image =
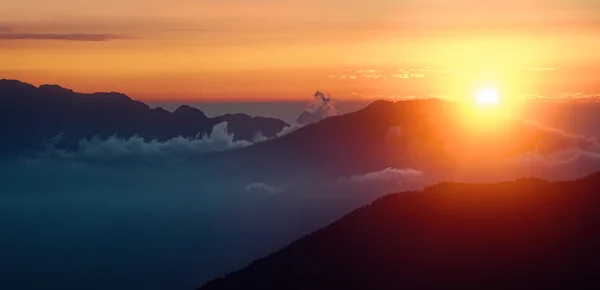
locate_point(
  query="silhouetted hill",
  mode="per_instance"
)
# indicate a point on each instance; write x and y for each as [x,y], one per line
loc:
[528,234]
[358,142]
[31,116]
[431,135]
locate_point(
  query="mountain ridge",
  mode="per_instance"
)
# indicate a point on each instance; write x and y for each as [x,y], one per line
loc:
[525,234]
[33,115]
[428,135]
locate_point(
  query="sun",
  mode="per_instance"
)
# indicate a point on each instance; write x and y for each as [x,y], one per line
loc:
[487,97]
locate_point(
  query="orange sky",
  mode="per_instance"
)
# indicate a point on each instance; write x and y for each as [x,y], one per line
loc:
[279,49]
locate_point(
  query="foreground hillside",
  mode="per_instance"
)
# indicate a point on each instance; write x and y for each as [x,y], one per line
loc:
[528,234]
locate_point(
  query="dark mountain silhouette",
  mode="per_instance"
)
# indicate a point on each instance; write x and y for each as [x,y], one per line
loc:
[30,116]
[528,234]
[428,135]
[348,144]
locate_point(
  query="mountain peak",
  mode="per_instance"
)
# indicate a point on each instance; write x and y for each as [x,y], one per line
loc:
[185,110]
[114,96]
[10,83]
[380,103]
[54,89]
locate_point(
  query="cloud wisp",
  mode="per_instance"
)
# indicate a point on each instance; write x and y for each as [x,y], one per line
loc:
[386,175]
[321,107]
[262,187]
[554,154]
[60,36]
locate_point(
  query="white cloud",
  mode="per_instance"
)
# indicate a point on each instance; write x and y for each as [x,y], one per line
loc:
[262,187]
[386,175]
[116,150]
[322,107]
[289,129]
[395,131]
[259,137]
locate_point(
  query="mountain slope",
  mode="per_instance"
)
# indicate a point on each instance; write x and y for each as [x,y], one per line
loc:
[30,116]
[344,145]
[528,234]
[432,136]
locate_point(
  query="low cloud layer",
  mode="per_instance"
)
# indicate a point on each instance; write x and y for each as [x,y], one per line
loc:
[59,36]
[561,165]
[395,131]
[262,187]
[559,148]
[560,140]
[554,154]
[386,175]
[321,107]
[118,150]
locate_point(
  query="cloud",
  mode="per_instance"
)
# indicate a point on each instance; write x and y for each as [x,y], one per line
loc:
[386,175]
[540,69]
[554,154]
[118,150]
[563,155]
[563,165]
[525,137]
[394,132]
[259,137]
[60,36]
[553,140]
[562,158]
[289,129]
[342,77]
[574,97]
[322,107]
[262,187]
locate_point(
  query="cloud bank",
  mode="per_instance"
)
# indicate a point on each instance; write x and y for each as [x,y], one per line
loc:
[119,150]
[386,175]
[262,187]
[552,154]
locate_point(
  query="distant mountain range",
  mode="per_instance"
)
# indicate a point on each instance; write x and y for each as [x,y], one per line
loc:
[428,135]
[528,234]
[33,115]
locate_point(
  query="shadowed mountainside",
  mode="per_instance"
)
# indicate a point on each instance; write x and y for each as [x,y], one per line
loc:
[32,115]
[427,135]
[354,143]
[528,234]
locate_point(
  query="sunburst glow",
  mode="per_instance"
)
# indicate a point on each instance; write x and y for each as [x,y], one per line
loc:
[487,97]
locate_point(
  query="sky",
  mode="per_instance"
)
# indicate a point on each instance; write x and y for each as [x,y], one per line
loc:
[282,50]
